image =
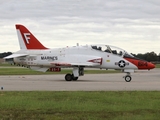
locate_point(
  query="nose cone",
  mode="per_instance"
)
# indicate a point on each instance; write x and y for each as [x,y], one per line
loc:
[141,64]
[150,65]
[145,65]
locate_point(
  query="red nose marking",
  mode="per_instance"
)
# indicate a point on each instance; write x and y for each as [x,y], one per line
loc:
[150,65]
[141,64]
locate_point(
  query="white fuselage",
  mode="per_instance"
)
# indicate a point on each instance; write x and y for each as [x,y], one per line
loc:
[72,55]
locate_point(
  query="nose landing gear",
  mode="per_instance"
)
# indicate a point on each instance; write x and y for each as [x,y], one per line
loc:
[128,77]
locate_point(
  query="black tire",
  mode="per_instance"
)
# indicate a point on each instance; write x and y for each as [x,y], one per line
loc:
[128,78]
[75,78]
[68,77]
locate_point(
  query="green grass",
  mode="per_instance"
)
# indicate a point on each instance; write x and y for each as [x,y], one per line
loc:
[157,65]
[80,105]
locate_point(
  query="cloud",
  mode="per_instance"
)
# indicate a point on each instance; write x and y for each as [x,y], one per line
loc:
[131,25]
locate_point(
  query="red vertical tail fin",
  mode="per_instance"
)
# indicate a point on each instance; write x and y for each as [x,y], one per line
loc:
[26,39]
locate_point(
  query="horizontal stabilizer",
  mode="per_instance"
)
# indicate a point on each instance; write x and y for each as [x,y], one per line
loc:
[15,55]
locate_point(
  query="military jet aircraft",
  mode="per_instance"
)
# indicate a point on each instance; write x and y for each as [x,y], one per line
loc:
[40,58]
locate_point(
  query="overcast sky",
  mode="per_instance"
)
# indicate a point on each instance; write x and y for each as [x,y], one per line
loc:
[131,25]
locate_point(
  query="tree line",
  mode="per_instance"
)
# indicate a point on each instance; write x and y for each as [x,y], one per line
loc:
[2,55]
[149,56]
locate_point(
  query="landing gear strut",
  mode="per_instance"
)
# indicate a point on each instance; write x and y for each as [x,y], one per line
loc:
[128,77]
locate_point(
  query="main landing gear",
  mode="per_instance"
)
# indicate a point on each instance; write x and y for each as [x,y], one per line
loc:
[77,71]
[128,77]
[70,77]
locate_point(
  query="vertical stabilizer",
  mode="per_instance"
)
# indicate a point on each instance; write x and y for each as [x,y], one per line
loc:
[26,39]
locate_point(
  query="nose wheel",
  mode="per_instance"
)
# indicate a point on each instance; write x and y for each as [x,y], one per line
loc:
[128,77]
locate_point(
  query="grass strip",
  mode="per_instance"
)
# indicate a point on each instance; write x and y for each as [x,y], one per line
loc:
[80,105]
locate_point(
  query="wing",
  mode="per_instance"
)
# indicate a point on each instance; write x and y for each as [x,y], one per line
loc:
[89,63]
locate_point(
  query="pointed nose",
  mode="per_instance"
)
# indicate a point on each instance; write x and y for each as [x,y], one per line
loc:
[150,65]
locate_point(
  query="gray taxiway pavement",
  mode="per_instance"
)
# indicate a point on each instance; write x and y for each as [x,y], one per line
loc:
[141,80]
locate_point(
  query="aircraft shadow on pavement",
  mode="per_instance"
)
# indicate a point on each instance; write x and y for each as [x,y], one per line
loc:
[88,81]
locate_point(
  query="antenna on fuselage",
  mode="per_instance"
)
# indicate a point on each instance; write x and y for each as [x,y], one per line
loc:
[77,44]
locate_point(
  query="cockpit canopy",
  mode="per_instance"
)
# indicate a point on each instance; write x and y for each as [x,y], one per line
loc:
[112,50]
